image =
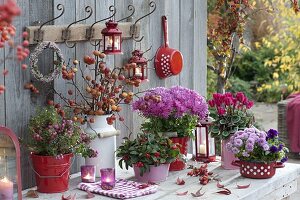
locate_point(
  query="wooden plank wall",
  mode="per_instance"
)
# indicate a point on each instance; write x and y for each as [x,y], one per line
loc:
[187,32]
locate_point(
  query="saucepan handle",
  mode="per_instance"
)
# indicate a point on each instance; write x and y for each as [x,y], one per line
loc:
[165,30]
[279,165]
[236,163]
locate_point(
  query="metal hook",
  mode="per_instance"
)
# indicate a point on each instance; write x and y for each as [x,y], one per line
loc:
[130,8]
[66,33]
[90,31]
[133,28]
[38,34]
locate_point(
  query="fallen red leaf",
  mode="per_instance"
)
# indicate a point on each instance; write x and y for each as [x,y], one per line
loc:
[242,186]
[225,191]
[219,185]
[182,193]
[198,193]
[32,194]
[142,186]
[70,197]
[89,195]
[180,181]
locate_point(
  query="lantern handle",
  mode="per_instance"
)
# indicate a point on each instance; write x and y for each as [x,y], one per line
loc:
[90,30]
[66,33]
[147,50]
[130,8]
[38,35]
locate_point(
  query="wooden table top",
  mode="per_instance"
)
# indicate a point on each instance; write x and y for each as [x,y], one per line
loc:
[279,186]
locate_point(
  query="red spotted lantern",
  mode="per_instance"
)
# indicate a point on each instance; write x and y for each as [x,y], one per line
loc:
[141,70]
[112,38]
[205,149]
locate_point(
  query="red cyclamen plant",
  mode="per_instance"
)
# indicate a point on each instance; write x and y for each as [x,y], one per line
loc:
[231,113]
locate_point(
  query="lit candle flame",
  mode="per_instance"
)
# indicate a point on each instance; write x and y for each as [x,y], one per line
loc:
[88,176]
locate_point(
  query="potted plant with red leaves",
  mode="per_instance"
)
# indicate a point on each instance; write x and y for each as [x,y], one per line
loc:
[231,113]
[53,141]
[174,112]
[98,102]
[150,156]
[259,153]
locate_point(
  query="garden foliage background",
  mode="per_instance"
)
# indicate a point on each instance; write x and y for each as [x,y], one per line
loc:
[268,63]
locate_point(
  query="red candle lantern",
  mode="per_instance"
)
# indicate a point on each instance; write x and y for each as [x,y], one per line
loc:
[205,149]
[112,38]
[141,70]
[10,165]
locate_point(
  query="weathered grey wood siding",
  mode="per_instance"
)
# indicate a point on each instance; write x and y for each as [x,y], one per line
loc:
[187,32]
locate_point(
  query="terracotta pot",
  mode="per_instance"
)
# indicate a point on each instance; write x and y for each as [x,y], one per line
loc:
[51,173]
[227,157]
[156,174]
[179,164]
[257,170]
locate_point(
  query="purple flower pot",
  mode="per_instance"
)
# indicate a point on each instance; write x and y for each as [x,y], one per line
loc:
[156,173]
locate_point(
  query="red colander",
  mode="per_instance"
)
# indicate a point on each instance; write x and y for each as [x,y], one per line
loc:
[168,61]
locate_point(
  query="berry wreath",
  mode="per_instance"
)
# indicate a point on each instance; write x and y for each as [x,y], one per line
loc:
[34,60]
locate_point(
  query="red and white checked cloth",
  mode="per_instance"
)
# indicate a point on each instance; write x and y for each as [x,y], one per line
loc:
[123,189]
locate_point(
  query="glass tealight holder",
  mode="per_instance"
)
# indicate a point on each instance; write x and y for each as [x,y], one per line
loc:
[88,173]
[108,178]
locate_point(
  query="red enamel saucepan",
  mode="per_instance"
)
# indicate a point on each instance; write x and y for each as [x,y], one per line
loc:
[168,61]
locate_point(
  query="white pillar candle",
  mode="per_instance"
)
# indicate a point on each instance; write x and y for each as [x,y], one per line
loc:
[6,189]
[202,149]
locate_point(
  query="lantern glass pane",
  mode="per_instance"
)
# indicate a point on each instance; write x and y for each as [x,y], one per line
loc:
[117,42]
[138,72]
[8,179]
[201,140]
[212,150]
[108,42]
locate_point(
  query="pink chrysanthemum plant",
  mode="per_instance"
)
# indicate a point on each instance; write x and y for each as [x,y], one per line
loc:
[252,144]
[231,113]
[176,109]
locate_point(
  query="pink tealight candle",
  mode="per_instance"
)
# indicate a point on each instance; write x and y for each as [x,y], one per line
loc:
[6,189]
[108,179]
[88,173]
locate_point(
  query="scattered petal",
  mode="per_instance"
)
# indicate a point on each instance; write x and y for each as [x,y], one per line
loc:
[180,181]
[242,186]
[32,194]
[219,185]
[142,186]
[198,193]
[70,197]
[225,191]
[89,195]
[182,193]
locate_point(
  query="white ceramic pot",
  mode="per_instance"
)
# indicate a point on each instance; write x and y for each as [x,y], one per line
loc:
[105,145]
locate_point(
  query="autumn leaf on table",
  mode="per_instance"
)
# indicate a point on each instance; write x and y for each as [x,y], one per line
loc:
[224,191]
[180,181]
[198,193]
[182,193]
[70,197]
[219,185]
[32,194]
[242,186]
[89,195]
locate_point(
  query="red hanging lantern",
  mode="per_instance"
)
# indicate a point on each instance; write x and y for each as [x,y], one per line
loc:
[205,149]
[141,70]
[112,38]
[10,165]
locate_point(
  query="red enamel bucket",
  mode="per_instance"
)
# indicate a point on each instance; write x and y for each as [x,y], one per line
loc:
[168,61]
[257,170]
[51,173]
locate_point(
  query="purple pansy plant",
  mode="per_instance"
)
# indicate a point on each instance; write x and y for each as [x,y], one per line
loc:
[252,144]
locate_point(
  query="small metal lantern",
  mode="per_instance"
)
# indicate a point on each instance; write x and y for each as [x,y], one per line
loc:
[10,165]
[141,70]
[205,149]
[112,38]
